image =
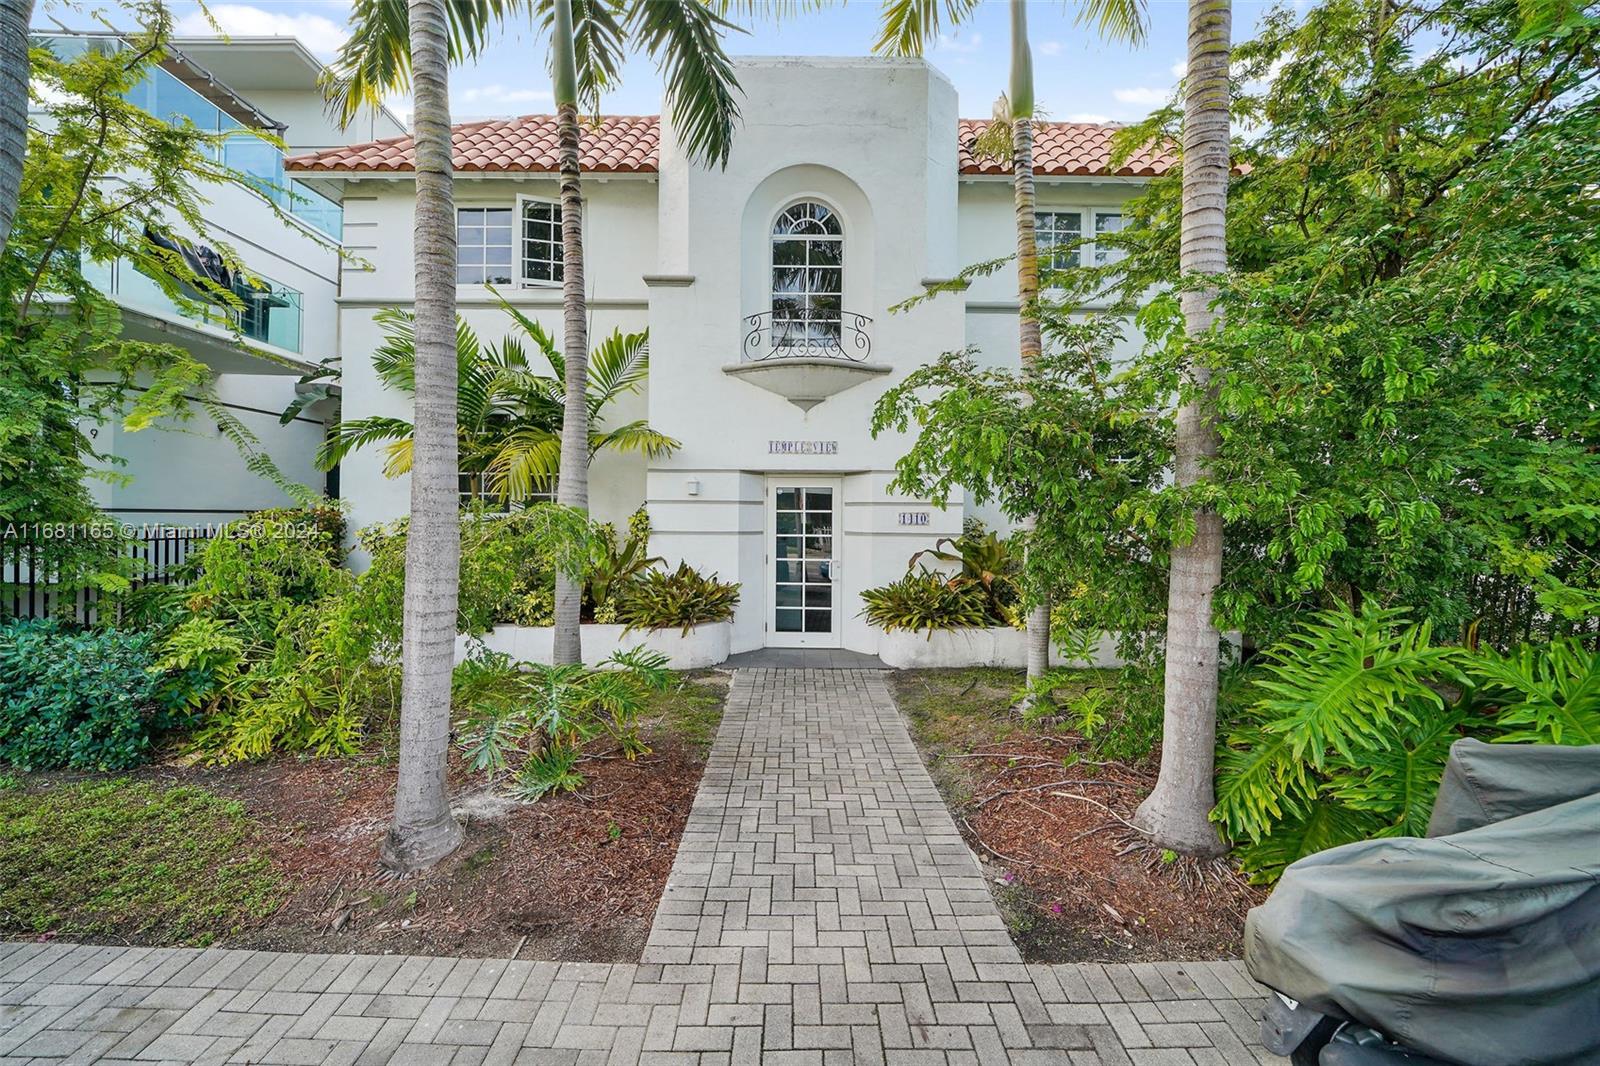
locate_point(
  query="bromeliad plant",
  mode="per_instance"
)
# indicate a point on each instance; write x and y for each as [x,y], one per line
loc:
[532,721]
[677,599]
[1353,719]
[987,561]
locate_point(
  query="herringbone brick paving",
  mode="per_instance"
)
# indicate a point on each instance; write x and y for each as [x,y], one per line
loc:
[823,909]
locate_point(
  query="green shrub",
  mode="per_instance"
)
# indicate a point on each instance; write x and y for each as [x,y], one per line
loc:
[924,600]
[615,568]
[86,700]
[1354,719]
[676,599]
[533,720]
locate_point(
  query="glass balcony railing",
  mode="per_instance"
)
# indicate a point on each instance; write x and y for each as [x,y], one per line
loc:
[161,94]
[315,209]
[268,313]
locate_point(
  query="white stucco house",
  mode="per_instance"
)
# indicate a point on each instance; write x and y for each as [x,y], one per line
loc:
[766,289]
[182,472]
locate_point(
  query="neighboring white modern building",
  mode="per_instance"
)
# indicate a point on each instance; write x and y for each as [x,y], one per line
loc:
[766,288]
[184,472]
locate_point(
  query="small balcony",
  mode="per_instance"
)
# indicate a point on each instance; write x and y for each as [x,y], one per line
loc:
[806,354]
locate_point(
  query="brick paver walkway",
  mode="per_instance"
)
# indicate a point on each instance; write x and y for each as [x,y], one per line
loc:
[823,908]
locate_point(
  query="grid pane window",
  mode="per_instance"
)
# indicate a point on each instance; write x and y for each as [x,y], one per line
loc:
[1107,222]
[807,276]
[483,246]
[803,597]
[474,489]
[1057,233]
[541,241]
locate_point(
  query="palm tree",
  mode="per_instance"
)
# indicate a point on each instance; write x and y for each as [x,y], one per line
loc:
[424,829]
[587,45]
[14,18]
[907,27]
[1176,814]
[509,417]
[388,50]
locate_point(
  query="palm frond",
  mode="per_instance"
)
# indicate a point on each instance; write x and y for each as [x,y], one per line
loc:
[634,437]
[684,37]
[1115,20]
[541,337]
[909,27]
[346,437]
[526,462]
[377,57]
[618,365]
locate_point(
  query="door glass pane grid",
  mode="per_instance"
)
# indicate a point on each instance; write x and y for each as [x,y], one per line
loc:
[804,589]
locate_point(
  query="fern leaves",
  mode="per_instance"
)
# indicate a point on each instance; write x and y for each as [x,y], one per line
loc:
[1358,712]
[1548,695]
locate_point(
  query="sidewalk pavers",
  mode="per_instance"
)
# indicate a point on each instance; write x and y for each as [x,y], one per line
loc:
[823,908]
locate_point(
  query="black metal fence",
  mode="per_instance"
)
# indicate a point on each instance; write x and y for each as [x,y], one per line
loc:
[37,574]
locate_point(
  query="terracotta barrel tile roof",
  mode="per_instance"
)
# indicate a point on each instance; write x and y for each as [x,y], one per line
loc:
[618,144]
[627,144]
[1065,149]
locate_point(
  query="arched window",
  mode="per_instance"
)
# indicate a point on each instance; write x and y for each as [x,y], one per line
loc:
[807,277]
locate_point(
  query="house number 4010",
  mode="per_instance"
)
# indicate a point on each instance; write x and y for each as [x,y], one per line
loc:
[914,518]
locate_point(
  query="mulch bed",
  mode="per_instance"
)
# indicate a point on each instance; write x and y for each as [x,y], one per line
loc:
[1076,882]
[573,876]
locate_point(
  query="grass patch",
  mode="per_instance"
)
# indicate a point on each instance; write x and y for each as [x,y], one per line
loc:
[692,708]
[118,858]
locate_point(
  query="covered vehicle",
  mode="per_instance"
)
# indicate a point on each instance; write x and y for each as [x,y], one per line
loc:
[1479,945]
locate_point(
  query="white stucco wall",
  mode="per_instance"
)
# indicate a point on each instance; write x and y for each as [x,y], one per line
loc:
[619,246]
[184,471]
[687,253]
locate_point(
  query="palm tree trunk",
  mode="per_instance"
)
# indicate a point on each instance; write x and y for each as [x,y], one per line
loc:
[1030,345]
[1177,812]
[14,18]
[573,488]
[424,830]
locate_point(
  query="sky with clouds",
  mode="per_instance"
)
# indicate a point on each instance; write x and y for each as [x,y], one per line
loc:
[1078,77]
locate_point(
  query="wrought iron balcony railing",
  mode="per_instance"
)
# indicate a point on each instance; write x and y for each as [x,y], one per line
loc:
[808,333]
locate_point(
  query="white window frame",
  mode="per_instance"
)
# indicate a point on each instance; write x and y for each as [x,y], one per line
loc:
[823,331]
[511,267]
[519,260]
[1089,251]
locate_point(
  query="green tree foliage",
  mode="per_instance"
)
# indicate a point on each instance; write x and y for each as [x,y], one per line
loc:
[69,368]
[1073,443]
[1411,350]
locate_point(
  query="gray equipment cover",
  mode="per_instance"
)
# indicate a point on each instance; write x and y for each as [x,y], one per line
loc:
[1482,947]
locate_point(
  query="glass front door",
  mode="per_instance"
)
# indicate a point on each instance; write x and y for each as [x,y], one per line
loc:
[803,557]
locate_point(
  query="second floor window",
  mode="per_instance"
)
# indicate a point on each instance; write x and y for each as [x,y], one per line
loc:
[807,276]
[1060,236]
[483,246]
[499,245]
[541,241]
[1057,233]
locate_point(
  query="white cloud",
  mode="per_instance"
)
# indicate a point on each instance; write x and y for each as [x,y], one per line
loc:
[1145,95]
[948,43]
[322,36]
[1089,116]
[499,99]
[1180,68]
[1050,48]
